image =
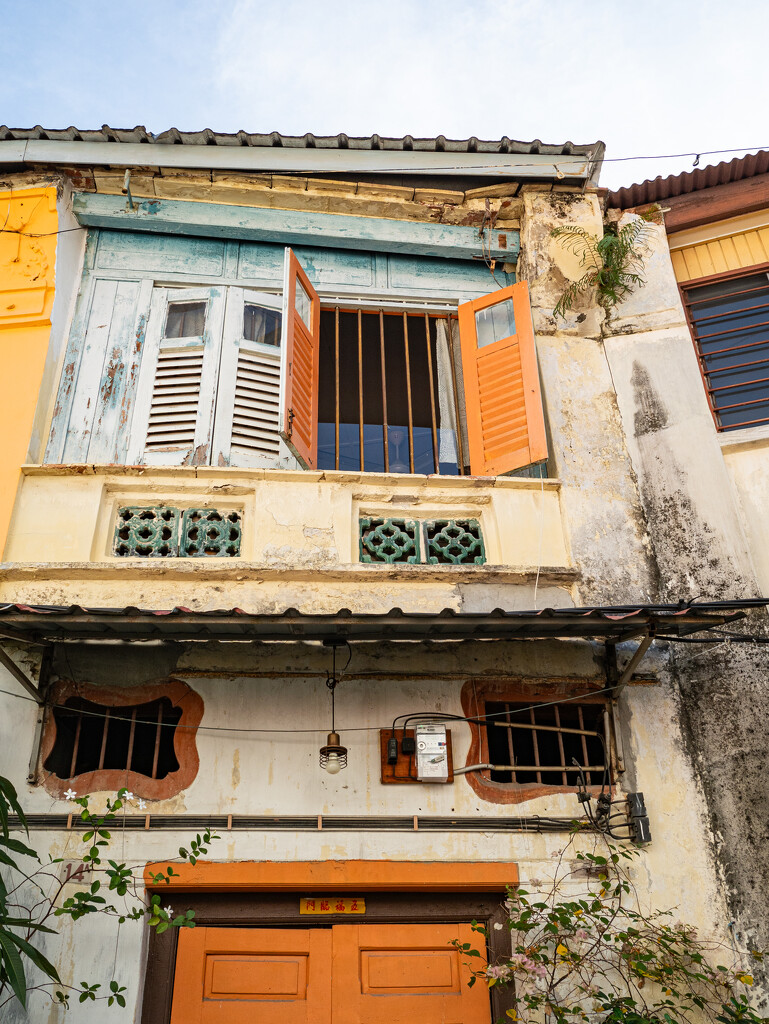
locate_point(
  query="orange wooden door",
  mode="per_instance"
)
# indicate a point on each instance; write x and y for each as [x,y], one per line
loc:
[348,974]
[254,975]
[404,973]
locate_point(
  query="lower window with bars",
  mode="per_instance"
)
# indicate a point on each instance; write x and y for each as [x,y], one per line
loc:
[148,746]
[547,743]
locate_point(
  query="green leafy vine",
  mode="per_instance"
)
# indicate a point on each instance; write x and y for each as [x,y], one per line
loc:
[30,901]
[613,264]
[588,952]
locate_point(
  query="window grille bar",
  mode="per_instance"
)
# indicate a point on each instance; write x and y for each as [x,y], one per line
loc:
[457,417]
[360,386]
[729,348]
[740,384]
[105,728]
[336,383]
[726,295]
[732,330]
[584,744]
[546,728]
[158,731]
[131,734]
[510,745]
[75,746]
[433,423]
[536,744]
[731,312]
[408,390]
[384,392]
[559,733]
[736,366]
[746,423]
[564,769]
[743,405]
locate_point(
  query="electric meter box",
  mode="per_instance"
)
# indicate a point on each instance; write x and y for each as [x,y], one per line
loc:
[432,753]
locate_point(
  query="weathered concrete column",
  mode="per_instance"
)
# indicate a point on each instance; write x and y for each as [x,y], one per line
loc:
[588,454]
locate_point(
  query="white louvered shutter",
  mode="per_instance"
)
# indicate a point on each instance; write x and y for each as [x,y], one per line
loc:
[176,393]
[246,431]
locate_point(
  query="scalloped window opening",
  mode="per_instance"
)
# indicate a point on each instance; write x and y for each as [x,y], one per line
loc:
[96,737]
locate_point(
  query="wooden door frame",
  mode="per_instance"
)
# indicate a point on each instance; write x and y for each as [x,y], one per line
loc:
[270,905]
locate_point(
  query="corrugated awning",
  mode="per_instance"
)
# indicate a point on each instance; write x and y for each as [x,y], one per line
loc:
[659,189]
[46,623]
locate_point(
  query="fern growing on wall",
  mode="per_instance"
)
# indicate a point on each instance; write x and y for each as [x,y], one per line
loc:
[613,264]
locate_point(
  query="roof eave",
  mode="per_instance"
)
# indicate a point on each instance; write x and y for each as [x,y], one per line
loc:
[566,163]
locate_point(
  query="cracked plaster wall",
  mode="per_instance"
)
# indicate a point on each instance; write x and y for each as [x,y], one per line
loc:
[700,550]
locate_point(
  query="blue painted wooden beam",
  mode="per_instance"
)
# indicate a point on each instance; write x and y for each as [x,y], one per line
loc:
[294,227]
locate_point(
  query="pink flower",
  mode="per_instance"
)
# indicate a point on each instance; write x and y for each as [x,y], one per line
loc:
[502,973]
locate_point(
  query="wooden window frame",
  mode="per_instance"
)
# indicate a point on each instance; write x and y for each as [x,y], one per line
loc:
[424,314]
[698,282]
[281,910]
[474,695]
[112,779]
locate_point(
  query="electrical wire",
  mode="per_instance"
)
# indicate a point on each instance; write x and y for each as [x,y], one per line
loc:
[433,715]
[441,715]
[40,234]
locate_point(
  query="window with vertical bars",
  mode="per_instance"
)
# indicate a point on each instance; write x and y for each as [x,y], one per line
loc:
[539,745]
[389,397]
[729,320]
[96,737]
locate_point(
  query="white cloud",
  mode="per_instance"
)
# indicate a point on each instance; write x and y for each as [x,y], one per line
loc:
[663,77]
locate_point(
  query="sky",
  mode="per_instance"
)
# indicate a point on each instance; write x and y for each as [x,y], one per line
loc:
[649,79]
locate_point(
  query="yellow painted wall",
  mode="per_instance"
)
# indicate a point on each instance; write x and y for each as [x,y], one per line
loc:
[28,224]
[736,243]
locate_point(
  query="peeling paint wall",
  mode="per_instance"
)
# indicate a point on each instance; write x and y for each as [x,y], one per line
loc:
[27,273]
[701,549]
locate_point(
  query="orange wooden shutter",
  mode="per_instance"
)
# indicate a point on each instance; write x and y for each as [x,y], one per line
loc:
[505,420]
[241,975]
[401,973]
[300,359]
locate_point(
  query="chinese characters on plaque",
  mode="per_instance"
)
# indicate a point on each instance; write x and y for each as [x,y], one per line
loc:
[332,905]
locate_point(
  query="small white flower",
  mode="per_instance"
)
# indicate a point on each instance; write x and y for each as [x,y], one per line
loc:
[498,926]
[169,910]
[70,794]
[141,804]
[128,796]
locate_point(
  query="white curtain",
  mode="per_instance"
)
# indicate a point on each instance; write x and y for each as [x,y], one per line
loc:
[447,417]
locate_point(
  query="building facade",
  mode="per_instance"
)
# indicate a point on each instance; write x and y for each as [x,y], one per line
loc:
[302,469]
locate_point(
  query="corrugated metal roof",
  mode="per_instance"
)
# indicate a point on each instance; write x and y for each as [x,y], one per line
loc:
[659,189]
[207,137]
[50,622]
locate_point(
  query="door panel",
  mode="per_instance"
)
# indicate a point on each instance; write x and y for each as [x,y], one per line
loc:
[254,975]
[394,974]
[347,974]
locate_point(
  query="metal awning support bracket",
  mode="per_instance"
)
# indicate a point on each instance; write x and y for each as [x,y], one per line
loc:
[617,682]
[7,662]
[631,666]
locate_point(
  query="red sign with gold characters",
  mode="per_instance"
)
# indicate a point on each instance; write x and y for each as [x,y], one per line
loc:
[332,905]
